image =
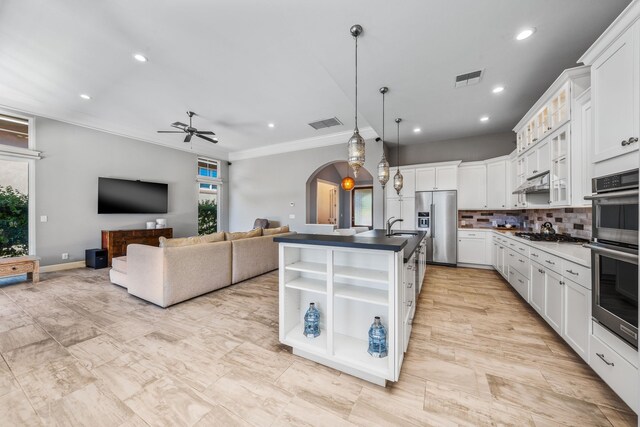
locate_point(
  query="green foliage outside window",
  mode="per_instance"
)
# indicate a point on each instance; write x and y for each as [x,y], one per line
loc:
[14,223]
[207,217]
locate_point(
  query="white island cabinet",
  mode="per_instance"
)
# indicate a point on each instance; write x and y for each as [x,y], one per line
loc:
[351,280]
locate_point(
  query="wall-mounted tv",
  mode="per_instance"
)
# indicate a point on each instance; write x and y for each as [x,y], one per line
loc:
[122,196]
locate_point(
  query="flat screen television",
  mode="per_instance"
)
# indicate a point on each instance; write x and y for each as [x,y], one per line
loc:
[122,196]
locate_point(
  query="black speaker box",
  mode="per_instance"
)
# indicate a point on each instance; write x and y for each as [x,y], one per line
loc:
[96,258]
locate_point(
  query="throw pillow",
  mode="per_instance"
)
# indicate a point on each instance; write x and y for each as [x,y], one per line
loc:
[272,231]
[257,232]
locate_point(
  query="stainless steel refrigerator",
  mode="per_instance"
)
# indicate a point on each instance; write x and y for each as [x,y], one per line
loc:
[437,214]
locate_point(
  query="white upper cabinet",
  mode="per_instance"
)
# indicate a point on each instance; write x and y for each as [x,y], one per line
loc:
[559,179]
[497,185]
[537,160]
[426,179]
[437,178]
[408,184]
[472,186]
[616,97]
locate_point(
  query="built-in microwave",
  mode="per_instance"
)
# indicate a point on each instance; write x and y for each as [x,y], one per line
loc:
[614,254]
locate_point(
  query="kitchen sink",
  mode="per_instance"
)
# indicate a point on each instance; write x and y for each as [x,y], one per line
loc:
[402,233]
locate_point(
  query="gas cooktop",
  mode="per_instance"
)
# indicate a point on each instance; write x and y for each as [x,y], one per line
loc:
[560,238]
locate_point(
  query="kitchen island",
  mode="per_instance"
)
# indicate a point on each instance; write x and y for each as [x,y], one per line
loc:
[350,279]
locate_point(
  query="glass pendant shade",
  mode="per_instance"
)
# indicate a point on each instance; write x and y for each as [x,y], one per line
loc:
[397,181]
[383,171]
[356,152]
[347,183]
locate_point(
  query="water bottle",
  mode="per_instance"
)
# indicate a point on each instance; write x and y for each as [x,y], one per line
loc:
[377,339]
[312,322]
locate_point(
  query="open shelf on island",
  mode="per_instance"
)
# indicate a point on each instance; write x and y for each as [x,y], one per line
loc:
[307,267]
[353,352]
[359,293]
[347,272]
[296,338]
[308,284]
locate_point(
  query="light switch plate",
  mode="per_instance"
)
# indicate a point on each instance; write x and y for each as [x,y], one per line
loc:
[44,218]
[292,216]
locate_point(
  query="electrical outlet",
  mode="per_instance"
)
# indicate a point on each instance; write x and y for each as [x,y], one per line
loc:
[65,255]
[292,216]
[43,218]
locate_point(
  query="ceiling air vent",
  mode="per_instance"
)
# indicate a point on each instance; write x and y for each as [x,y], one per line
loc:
[468,79]
[327,123]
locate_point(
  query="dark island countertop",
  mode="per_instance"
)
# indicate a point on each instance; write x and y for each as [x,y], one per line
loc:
[374,239]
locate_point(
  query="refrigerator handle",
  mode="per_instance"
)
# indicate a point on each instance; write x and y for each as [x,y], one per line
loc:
[433,222]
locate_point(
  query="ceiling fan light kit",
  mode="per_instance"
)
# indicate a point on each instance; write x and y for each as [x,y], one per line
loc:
[190,130]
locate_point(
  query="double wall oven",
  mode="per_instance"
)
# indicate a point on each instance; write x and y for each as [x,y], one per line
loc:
[614,254]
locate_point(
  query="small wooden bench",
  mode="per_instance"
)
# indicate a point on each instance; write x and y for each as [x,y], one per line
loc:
[21,265]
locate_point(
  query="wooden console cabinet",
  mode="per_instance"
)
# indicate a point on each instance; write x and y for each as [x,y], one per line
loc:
[116,241]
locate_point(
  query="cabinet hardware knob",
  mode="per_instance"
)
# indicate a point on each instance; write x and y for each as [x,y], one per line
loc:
[601,356]
[572,272]
[521,261]
[519,280]
[630,141]
[534,255]
[410,285]
[549,262]
[410,303]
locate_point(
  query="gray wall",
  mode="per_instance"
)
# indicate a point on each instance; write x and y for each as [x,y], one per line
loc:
[67,186]
[466,149]
[263,187]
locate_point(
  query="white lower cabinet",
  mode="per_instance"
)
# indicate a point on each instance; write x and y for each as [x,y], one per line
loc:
[554,301]
[614,364]
[471,250]
[538,287]
[409,300]
[577,314]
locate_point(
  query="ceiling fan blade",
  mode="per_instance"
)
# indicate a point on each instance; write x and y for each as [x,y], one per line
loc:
[206,132]
[170,131]
[188,137]
[215,141]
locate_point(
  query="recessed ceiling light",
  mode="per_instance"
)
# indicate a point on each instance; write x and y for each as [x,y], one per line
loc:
[271,125]
[140,57]
[417,130]
[484,118]
[84,96]
[525,34]
[498,89]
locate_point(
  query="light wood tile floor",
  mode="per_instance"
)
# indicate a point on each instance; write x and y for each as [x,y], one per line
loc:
[77,350]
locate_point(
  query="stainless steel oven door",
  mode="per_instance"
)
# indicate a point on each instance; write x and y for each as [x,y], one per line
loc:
[615,216]
[615,289]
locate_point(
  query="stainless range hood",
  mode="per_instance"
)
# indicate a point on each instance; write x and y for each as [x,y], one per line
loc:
[536,184]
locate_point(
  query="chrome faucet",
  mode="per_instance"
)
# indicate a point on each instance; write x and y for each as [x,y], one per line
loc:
[390,224]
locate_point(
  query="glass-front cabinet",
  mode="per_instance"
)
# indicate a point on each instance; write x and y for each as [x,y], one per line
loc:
[559,180]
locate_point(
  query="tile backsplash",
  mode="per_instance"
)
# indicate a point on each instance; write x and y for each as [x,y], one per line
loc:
[573,221]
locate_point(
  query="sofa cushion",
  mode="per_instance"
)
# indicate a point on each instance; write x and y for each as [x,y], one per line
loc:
[257,232]
[194,240]
[119,264]
[272,231]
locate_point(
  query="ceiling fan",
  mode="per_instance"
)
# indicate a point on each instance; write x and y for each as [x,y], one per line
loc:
[190,130]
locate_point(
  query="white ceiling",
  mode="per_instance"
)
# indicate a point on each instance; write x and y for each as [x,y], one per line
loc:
[243,64]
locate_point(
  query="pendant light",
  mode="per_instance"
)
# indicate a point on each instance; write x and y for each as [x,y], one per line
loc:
[383,166]
[397,179]
[347,183]
[355,145]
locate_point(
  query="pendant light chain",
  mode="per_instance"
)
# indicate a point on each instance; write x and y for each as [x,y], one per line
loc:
[356,83]
[398,148]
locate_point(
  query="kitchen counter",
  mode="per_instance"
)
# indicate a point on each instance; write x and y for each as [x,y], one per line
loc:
[374,239]
[573,252]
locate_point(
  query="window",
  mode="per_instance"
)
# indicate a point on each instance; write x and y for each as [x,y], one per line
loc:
[14,131]
[362,207]
[209,185]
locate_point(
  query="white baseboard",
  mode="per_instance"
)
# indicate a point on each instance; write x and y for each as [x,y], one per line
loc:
[61,267]
[480,266]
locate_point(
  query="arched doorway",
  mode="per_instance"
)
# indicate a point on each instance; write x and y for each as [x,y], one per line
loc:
[328,203]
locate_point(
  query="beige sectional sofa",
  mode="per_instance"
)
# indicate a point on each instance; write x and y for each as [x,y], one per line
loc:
[168,275]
